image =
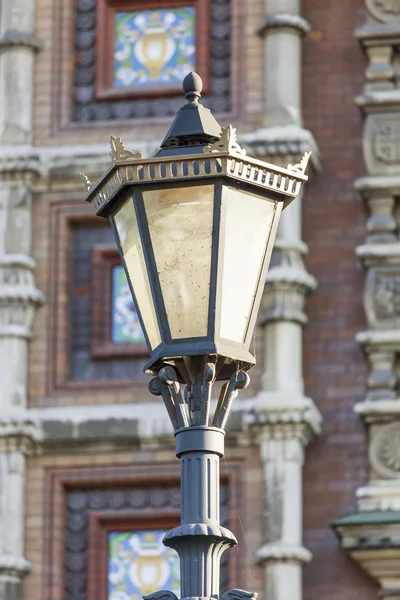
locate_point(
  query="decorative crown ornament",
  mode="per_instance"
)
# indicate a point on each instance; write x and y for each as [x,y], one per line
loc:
[119,152]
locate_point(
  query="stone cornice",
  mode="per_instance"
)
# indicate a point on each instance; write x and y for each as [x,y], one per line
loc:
[146,425]
[373,411]
[19,163]
[379,101]
[282,552]
[19,39]
[374,544]
[284,21]
[376,34]
[388,339]
[372,254]
[375,184]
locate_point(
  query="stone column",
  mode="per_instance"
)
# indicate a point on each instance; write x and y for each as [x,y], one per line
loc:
[285,419]
[19,297]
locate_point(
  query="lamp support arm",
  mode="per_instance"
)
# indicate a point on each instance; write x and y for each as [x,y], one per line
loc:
[199,540]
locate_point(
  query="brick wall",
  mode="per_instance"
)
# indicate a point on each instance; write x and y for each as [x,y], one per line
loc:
[49,477]
[334,224]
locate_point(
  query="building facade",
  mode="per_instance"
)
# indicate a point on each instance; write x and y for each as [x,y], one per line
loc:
[89,477]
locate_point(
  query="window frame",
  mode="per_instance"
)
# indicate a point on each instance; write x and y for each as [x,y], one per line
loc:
[106,10]
[100,525]
[104,258]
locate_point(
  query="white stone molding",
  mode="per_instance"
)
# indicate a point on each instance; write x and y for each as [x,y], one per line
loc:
[283,552]
[379,495]
[284,21]
[19,39]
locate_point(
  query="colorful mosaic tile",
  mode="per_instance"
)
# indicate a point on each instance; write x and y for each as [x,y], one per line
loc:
[154,46]
[139,564]
[125,325]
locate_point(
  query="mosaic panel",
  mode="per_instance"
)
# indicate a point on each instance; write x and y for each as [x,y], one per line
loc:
[125,325]
[139,563]
[87,109]
[154,47]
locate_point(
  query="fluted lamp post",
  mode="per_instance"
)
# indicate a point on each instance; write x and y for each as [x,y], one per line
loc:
[195,227]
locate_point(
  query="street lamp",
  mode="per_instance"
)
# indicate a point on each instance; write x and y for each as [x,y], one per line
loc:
[195,228]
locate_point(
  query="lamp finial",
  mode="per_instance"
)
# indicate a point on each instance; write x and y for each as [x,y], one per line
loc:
[192,86]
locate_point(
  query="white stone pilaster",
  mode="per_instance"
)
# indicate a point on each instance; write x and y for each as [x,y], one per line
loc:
[19,297]
[284,424]
[285,420]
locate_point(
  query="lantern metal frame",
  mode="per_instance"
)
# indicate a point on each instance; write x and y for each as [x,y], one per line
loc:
[222,163]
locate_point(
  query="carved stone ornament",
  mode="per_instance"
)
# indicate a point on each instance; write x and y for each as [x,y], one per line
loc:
[387,11]
[382,144]
[382,297]
[227,143]
[119,152]
[385,451]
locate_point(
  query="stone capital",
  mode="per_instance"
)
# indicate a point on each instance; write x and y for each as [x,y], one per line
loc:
[279,418]
[283,552]
[19,433]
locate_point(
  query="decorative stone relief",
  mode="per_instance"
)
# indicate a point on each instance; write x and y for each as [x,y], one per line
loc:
[382,143]
[386,11]
[382,296]
[385,451]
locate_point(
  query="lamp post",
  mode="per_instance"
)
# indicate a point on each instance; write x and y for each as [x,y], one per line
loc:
[195,228]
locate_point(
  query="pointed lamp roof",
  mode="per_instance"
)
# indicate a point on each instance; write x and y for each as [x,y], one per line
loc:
[194,125]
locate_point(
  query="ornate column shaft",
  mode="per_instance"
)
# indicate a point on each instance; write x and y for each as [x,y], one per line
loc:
[19,297]
[371,535]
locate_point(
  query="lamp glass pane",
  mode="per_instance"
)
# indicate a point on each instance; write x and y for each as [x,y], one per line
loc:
[132,250]
[180,222]
[248,221]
